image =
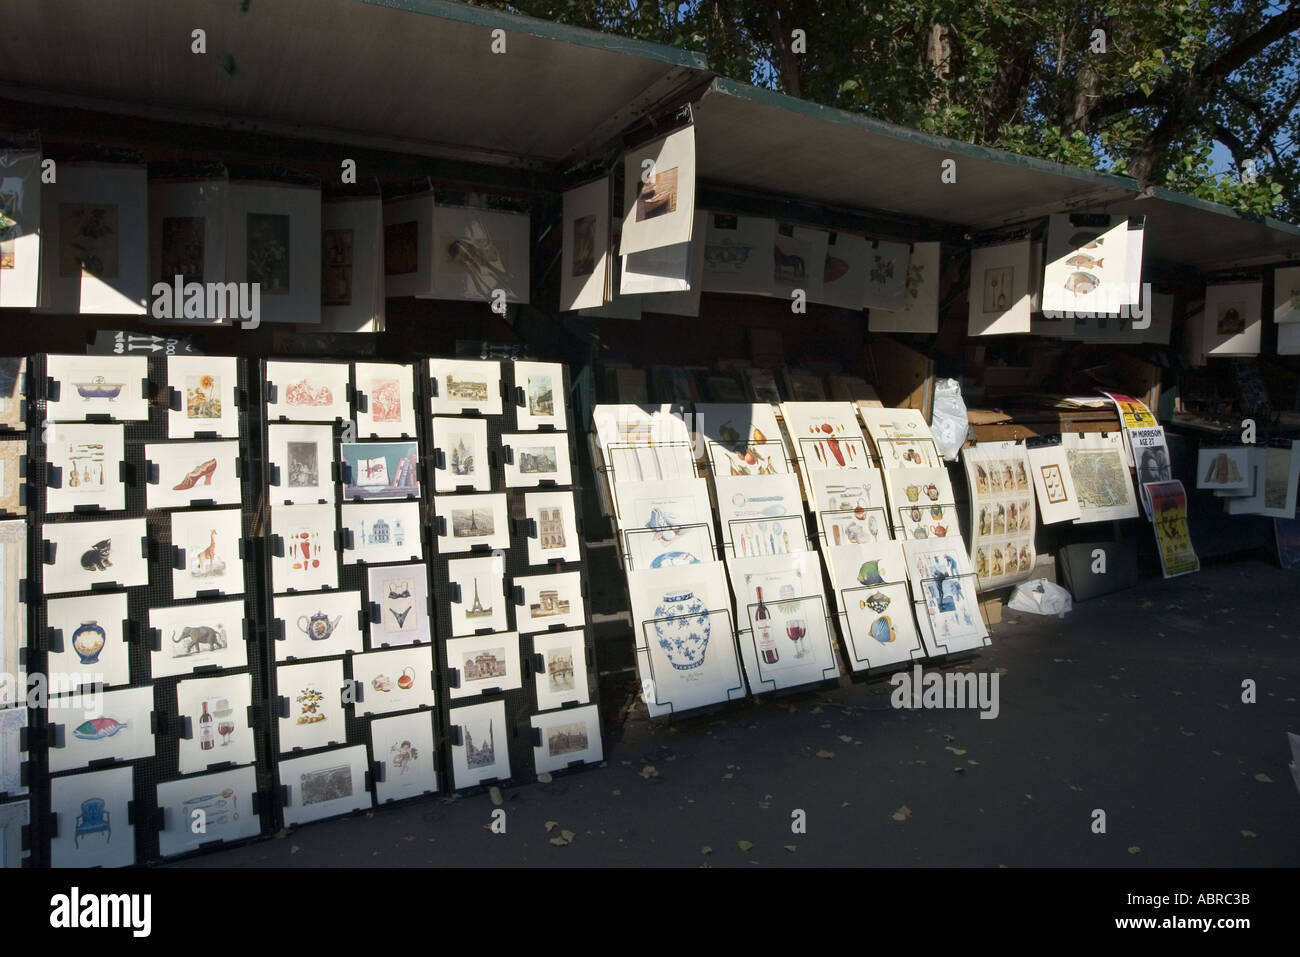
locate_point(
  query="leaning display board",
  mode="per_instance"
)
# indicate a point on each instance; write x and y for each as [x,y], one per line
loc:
[1002,512]
[16,770]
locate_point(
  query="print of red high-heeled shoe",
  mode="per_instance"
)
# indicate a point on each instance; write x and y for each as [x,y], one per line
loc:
[203,471]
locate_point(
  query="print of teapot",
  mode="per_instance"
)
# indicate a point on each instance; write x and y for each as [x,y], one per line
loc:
[318,627]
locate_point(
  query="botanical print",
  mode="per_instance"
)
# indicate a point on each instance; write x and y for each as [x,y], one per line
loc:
[205,386]
[304,557]
[336,267]
[396,680]
[477,757]
[549,600]
[380,470]
[384,407]
[887,275]
[114,724]
[556,531]
[93,819]
[382,532]
[203,397]
[1169,522]
[211,545]
[91,553]
[406,747]
[568,737]
[268,252]
[226,800]
[871,591]
[943,581]
[400,595]
[88,240]
[216,711]
[187,638]
[657,196]
[91,633]
[182,249]
[89,462]
[97,385]
[326,784]
[307,391]
[484,664]
[563,678]
[1100,476]
[480,604]
[742,439]
[463,459]
[315,713]
[317,625]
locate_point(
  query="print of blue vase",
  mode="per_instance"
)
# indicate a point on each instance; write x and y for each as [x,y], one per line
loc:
[88,641]
[682,626]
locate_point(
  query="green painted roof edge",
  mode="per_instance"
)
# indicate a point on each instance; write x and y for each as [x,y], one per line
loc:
[547,30]
[1205,205]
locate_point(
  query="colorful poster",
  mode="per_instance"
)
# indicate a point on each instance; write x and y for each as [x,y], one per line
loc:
[1169,509]
[1002,507]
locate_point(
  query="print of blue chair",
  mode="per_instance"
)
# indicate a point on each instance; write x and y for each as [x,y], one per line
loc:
[92,819]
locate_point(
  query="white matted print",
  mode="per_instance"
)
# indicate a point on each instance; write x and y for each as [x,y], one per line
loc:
[324,785]
[1002,507]
[943,589]
[999,289]
[214,713]
[301,459]
[536,457]
[851,505]
[666,523]
[114,724]
[825,435]
[92,630]
[226,800]
[305,558]
[1101,477]
[684,637]
[396,680]
[549,600]
[211,543]
[922,504]
[483,664]
[761,515]
[556,538]
[14,817]
[13,481]
[405,748]
[1286,295]
[13,752]
[562,677]
[465,521]
[307,391]
[317,625]
[735,254]
[478,253]
[98,385]
[93,819]
[543,385]
[374,471]
[461,385]
[400,594]
[659,198]
[189,637]
[462,462]
[920,311]
[478,757]
[95,553]
[274,240]
[206,387]
[785,637]
[13,610]
[382,532]
[482,601]
[193,472]
[1223,469]
[1086,267]
[1057,499]
[315,705]
[89,460]
[886,279]
[568,737]
[585,260]
[870,582]
[1232,321]
[742,439]
[385,400]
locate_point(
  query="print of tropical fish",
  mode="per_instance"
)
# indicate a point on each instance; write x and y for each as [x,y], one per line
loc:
[1086,241]
[98,728]
[1082,283]
[1084,262]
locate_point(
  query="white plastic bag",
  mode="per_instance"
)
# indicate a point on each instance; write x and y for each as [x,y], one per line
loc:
[1041,597]
[948,418]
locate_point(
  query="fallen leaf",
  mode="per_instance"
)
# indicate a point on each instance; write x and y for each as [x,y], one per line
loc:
[706,849]
[902,814]
[294,849]
[972,761]
[494,793]
[567,835]
[846,738]
[791,848]
[544,777]
[960,770]
[1134,849]
[728,776]
[1245,833]
[552,825]
[559,841]
[649,771]
[616,792]
[744,845]
[823,753]
[1263,779]
[957,751]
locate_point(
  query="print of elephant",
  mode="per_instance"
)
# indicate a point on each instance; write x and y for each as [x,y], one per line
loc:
[195,637]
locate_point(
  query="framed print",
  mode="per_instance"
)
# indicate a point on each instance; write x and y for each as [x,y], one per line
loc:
[88,460]
[585,259]
[1002,507]
[666,523]
[920,309]
[112,386]
[477,252]
[735,254]
[762,387]
[301,460]
[274,240]
[405,749]
[543,385]
[308,391]
[1100,475]
[567,738]
[536,457]
[90,634]
[380,470]
[192,473]
[1057,499]
[317,625]
[211,544]
[206,388]
[466,521]
[659,200]
[479,584]
[548,601]
[1223,469]
[826,435]
[408,245]
[999,289]
[13,610]
[87,554]
[871,590]
[399,595]
[303,553]
[324,785]
[187,227]
[352,264]
[851,506]
[1169,522]
[385,396]
[93,819]
[761,514]
[214,722]
[13,391]
[785,630]
[1086,267]
[13,754]
[943,590]
[483,664]
[21,228]
[315,705]
[465,385]
[1286,295]
[396,680]
[553,516]
[922,503]
[1232,323]
[186,638]
[13,818]
[112,725]
[1281,478]
[476,758]
[461,459]
[742,439]
[562,677]
[226,802]
[381,532]
[685,638]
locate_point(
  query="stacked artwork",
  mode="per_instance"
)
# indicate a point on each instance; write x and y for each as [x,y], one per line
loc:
[1002,513]
[15,807]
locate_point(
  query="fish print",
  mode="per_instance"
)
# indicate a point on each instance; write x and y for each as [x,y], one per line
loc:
[1081,283]
[1086,241]
[1083,261]
[97,729]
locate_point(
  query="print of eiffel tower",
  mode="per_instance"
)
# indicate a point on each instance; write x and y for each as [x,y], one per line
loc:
[477,610]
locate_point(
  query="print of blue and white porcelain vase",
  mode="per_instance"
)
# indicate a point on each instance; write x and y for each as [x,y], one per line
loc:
[682,627]
[88,641]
